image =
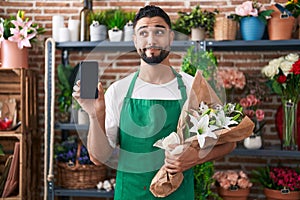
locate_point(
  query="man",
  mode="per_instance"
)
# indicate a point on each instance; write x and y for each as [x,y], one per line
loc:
[141,109]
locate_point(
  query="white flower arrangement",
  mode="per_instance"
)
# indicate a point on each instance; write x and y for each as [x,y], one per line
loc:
[204,123]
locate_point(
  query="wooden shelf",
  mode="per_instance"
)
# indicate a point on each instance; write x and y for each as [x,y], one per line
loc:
[21,85]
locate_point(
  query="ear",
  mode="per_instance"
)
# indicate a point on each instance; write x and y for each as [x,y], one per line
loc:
[172,35]
[134,40]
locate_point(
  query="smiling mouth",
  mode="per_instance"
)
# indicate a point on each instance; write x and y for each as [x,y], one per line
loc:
[153,48]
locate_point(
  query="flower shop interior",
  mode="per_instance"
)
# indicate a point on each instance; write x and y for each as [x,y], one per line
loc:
[38,115]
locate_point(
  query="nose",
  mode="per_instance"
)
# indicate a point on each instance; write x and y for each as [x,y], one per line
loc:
[151,39]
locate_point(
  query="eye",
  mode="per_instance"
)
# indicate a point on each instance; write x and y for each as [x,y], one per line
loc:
[143,33]
[160,32]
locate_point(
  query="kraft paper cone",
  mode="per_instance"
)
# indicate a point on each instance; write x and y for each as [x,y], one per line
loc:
[164,183]
[161,185]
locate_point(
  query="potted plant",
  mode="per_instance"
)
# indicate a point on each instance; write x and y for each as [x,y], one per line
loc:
[279,182]
[16,35]
[205,61]
[181,31]
[128,28]
[251,107]
[98,27]
[252,16]
[198,22]
[232,184]
[116,21]
[282,22]
[66,78]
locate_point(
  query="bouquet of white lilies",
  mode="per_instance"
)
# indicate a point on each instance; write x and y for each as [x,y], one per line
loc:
[204,123]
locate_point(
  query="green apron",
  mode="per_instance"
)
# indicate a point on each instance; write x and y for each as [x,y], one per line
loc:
[142,123]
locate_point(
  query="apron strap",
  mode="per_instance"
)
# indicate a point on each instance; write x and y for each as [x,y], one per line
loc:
[131,86]
[181,86]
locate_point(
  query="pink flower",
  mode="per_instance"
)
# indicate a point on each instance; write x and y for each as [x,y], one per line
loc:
[230,179]
[231,78]
[246,9]
[20,32]
[260,114]
[245,103]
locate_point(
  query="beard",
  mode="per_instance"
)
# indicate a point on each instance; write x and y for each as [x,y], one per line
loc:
[154,60]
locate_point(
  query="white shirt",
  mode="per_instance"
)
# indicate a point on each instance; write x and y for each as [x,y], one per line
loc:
[116,93]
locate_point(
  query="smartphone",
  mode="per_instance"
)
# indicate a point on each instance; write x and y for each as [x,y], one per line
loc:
[88,79]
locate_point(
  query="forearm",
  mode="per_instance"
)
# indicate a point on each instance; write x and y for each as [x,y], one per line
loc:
[97,142]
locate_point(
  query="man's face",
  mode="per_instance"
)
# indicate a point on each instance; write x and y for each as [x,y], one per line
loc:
[152,39]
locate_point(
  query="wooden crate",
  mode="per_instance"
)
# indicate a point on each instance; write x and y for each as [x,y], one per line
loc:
[21,84]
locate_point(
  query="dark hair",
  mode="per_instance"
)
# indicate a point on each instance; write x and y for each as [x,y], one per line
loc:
[151,11]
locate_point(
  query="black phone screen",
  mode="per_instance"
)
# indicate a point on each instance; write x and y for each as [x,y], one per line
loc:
[88,79]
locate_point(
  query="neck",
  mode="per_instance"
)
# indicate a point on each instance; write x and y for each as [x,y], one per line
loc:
[156,74]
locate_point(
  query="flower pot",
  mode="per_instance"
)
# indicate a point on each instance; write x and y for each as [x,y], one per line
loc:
[238,194]
[128,31]
[12,56]
[197,34]
[115,35]
[98,32]
[252,28]
[253,142]
[280,26]
[279,195]
[225,28]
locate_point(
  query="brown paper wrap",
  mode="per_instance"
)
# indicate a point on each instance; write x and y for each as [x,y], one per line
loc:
[163,184]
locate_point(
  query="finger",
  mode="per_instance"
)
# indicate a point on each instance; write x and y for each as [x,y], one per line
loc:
[78,83]
[100,92]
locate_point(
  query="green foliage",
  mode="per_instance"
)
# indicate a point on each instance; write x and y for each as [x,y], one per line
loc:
[262,175]
[294,7]
[66,78]
[129,16]
[116,19]
[199,60]
[197,18]
[99,16]
[203,180]
[179,26]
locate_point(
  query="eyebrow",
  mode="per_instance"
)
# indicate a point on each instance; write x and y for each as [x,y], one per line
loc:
[160,26]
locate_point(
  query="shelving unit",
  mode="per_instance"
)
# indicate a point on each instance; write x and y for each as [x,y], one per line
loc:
[236,45]
[21,85]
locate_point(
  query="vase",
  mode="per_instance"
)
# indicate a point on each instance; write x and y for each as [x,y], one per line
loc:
[280,195]
[289,135]
[12,56]
[98,32]
[238,194]
[281,25]
[115,35]
[252,28]
[197,34]
[253,142]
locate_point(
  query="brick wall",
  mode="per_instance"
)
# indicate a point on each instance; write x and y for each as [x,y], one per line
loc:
[121,64]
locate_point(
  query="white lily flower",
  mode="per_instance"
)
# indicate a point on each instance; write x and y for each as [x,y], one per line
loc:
[200,125]
[201,138]
[224,122]
[202,129]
